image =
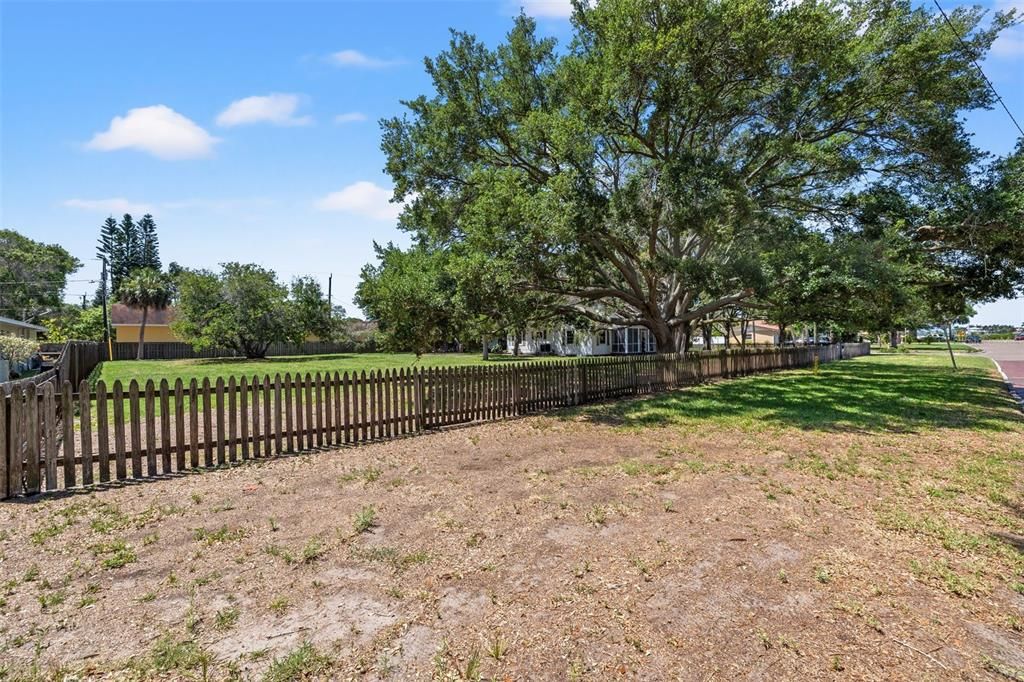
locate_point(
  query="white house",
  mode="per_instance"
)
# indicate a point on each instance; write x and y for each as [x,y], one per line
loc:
[620,340]
[569,341]
[22,330]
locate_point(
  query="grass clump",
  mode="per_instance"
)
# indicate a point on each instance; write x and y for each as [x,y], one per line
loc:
[366,475]
[598,515]
[364,520]
[305,663]
[225,619]
[279,605]
[51,600]
[942,574]
[633,467]
[398,561]
[280,552]
[313,550]
[171,655]
[117,554]
[221,535]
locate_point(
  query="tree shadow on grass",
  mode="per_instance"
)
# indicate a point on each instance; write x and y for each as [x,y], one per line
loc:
[343,357]
[891,396]
[274,359]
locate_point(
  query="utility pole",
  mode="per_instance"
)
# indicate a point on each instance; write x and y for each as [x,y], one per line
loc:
[83,301]
[330,277]
[106,325]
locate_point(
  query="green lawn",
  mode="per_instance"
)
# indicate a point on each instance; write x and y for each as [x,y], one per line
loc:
[896,392]
[143,370]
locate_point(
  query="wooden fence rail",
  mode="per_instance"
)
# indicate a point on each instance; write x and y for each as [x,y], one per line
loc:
[57,436]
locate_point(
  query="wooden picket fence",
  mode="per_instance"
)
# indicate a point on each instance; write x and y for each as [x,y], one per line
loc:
[61,436]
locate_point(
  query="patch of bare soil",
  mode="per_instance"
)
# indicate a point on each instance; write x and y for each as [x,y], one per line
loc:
[540,548]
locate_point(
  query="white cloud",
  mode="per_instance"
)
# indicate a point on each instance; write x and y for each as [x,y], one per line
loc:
[157,130]
[357,59]
[115,206]
[119,205]
[276,108]
[362,198]
[350,117]
[557,9]
[1010,43]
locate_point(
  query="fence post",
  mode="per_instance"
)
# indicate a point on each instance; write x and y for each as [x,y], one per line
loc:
[584,381]
[418,395]
[4,492]
[15,437]
[30,432]
[515,392]
[68,421]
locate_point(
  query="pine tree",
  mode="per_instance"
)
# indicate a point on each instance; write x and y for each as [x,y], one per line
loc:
[105,250]
[149,256]
[126,255]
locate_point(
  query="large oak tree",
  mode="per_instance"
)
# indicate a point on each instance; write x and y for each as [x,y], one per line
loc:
[637,173]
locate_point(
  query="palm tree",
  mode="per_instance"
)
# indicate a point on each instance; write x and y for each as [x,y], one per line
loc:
[145,288]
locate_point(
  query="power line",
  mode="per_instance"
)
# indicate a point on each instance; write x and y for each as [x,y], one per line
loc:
[46,281]
[978,66]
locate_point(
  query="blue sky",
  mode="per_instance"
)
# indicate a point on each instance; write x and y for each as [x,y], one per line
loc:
[249,129]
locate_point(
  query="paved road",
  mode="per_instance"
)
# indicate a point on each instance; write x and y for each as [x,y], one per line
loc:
[1010,357]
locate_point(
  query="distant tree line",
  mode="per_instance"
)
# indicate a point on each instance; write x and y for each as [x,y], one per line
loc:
[245,308]
[33,277]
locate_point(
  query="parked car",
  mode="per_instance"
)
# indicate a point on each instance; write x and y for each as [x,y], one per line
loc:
[1018,337]
[972,338]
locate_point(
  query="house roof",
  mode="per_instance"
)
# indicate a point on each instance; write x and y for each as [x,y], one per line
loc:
[23,325]
[120,314]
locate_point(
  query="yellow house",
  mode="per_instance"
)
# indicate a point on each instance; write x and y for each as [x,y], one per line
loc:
[126,322]
[23,330]
[760,332]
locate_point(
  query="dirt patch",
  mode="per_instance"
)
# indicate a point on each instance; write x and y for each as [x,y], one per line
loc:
[541,548]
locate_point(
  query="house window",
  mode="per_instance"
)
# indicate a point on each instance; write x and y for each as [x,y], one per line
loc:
[634,340]
[602,337]
[618,341]
[540,335]
[570,337]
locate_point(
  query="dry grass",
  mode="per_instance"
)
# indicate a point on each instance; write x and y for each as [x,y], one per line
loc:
[598,544]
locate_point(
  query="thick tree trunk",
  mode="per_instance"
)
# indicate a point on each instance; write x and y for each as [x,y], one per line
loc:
[670,341]
[728,330]
[515,344]
[894,338]
[685,338]
[142,334]
[487,350]
[782,335]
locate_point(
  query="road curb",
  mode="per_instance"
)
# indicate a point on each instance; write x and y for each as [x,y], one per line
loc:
[1017,395]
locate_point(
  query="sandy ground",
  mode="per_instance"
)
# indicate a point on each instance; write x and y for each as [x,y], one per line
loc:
[540,548]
